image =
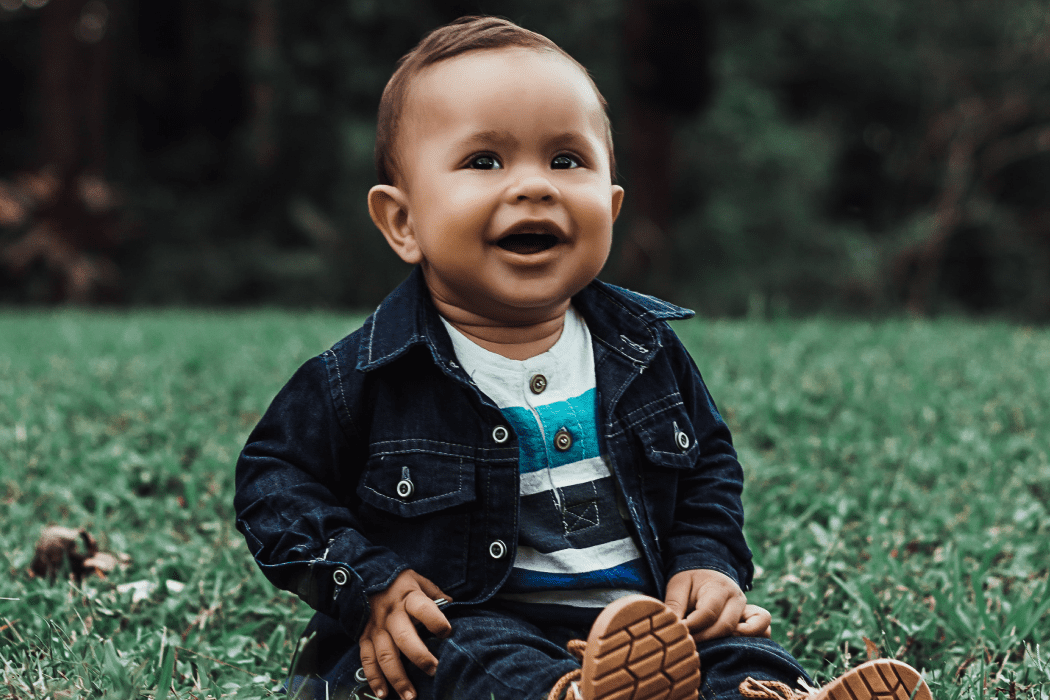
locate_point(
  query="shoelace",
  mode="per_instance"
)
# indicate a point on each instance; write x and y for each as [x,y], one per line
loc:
[775,690]
[576,647]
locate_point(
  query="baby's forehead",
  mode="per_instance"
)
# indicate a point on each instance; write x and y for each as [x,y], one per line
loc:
[489,90]
[480,74]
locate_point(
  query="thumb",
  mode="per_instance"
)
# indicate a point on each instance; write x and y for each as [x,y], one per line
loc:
[677,598]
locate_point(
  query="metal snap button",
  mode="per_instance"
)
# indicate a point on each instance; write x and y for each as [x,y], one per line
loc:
[405,488]
[497,550]
[340,576]
[500,434]
[537,384]
[562,440]
[359,676]
[681,438]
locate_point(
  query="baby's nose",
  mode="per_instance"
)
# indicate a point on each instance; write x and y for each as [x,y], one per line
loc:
[535,187]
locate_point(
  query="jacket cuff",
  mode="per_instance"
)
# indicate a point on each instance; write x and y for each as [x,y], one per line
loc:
[375,568]
[713,555]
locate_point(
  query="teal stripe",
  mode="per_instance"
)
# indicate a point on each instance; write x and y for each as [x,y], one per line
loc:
[531,453]
[578,415]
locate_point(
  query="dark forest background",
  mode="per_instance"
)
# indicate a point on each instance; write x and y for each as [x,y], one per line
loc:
[844,156]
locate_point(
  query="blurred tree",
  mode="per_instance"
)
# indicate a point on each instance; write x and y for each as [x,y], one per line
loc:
[67,202]
[668,46]
[851,155]
[854,158]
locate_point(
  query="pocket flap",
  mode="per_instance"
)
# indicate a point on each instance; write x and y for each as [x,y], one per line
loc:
[668,438]
[410,484]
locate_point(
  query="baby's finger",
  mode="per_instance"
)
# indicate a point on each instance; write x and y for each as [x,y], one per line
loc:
[724,625]
[426,611]
[677,598]
[389,657]
[406,637]
[756,622]
[374,676]
[706,614]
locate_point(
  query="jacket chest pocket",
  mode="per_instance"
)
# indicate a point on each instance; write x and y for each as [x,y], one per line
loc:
[419,505]
[663,441]
[664,436]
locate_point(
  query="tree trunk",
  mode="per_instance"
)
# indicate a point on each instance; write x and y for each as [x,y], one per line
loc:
[73,225]
[668,50]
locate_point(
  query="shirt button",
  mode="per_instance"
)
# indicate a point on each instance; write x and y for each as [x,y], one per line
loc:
[340,576]
[405,488]
[497,550]
[562,440]
[537,384]
[500,434]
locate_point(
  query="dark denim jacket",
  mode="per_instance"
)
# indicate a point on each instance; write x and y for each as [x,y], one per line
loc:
[317,483]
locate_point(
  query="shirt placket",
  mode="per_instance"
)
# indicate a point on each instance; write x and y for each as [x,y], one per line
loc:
[536,381]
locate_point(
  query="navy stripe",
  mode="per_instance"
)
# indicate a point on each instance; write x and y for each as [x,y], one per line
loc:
[628,575]
[547,529]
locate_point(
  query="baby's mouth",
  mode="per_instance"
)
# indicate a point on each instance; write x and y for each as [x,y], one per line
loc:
[528,243]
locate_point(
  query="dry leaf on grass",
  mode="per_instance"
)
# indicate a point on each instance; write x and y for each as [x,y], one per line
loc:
[140,590]
[58,545]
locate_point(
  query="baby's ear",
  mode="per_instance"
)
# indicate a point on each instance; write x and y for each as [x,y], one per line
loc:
[617,201]
[389,209]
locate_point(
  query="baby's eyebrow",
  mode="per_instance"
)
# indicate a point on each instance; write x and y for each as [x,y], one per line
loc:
[497,137]
[571,139]
[490,137]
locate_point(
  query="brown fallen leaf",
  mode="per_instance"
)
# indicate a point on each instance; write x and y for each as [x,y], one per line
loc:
[873,649]
[58,544]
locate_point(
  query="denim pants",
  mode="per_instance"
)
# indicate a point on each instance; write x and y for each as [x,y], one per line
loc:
[494,654]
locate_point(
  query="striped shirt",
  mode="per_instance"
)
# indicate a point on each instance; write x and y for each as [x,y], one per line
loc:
[575,553]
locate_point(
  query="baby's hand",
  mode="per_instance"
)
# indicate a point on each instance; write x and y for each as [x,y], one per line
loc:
[713,606]
[391,632]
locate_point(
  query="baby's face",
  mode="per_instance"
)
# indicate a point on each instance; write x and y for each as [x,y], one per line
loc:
[505,175]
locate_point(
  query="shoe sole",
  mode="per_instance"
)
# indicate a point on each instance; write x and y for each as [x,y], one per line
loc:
[881,679]
[639,650]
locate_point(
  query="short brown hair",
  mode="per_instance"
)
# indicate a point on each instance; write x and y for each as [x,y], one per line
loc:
[465,34]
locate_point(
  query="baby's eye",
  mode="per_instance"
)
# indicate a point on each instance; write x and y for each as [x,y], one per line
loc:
[484,163]
[564,162]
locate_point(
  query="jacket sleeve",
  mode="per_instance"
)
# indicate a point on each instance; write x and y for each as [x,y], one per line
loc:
[709,516]
[295,482]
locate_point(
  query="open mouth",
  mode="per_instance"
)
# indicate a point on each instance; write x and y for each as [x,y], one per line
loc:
[528,243]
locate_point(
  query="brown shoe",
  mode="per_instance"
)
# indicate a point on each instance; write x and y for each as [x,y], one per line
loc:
[637,650]
[881,679]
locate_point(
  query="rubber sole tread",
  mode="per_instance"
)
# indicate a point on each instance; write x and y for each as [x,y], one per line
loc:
[881,679]
[639,650]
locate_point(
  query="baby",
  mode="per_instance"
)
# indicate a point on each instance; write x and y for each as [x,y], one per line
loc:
[510,456]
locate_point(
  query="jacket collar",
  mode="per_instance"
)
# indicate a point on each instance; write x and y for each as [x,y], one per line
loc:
[626,322]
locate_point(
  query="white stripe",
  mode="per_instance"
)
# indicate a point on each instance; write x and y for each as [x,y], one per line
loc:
[564,476]
[575,561]
[587,598]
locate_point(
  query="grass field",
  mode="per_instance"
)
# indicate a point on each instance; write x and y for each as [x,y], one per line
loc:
[898,488]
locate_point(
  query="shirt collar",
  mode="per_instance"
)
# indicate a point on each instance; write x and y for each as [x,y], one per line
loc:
[626,322]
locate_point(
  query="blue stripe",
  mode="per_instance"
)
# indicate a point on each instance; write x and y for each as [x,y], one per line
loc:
[578,415]
[628,575]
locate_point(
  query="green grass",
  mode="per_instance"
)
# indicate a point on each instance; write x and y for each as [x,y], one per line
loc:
[898,481]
